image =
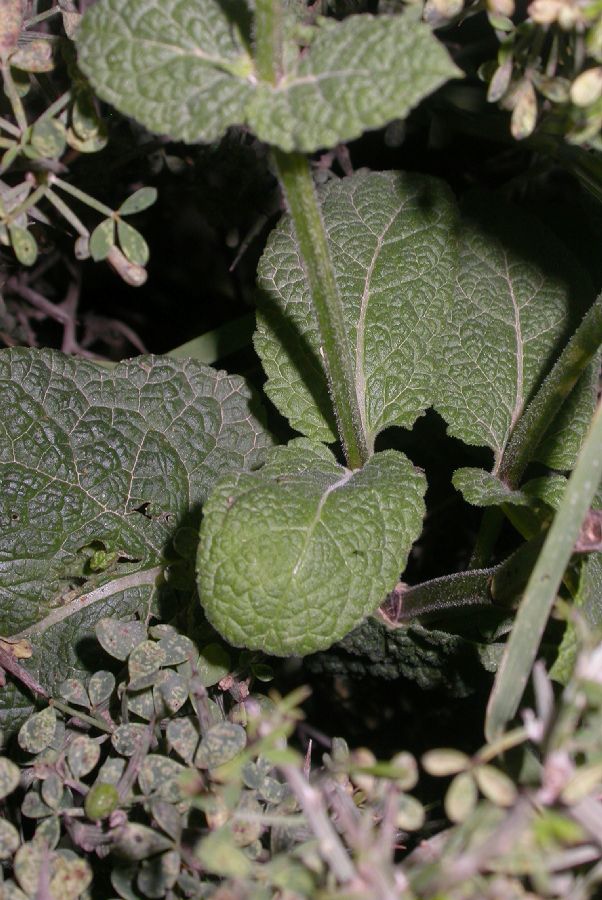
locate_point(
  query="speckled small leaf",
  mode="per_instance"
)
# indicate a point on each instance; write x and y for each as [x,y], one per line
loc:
[119,638]
[146,658]
[127,738]
[24,244]
[68,877]
[9,839]
[139,200]
[9,777]
[142,704]
[272,791]
[84,117]
[48,832]
[111,771]
[160,776]
[295,555]
[100,687]
[173,689]
[183,737]
[213,664]
[134,842]
[11,22]
[461,797]
[222,743]
[102,239]
[73,691]
[132,243]
[168,818]
[176,648]
[159,874]
[52,790]
[184,70]
[36,56]
[83,755]
[48,138]
[34,807]
[38,731]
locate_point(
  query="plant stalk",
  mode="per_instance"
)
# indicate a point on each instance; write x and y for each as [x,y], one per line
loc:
[295,177]
[268,39]
[540,412]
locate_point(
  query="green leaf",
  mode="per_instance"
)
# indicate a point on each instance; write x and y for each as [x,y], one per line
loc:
[37,733]
[184,70]
[518,295]
[9,777]
[102,239]
[392,248]
[24,244]
[119,457]
[132,243]
[139,200]
[482,488]
[295,555]
[48,138]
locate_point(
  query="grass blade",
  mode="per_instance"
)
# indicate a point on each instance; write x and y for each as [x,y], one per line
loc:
[523,644]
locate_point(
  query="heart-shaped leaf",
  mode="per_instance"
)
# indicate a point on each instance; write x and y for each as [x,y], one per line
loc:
[114,459]
[392,245]
[294,555]
[184,69]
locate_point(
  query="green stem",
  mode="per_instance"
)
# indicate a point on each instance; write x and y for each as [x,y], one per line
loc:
[33,198]
[521,649]
[537,418]
[295,177]
[9,127]
[55,108]
[79,714]
[498,586]
[540,413]
[268,39]
[15,101]
[67,213]
[81,195]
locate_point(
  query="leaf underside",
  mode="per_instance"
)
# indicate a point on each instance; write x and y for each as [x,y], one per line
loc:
[295,555]
[184,69]
[110,462]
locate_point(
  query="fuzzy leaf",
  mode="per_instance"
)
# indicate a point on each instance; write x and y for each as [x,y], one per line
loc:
[89,458]
[393,251]
[519,293]
[484,489]
[295,555]
[184,69]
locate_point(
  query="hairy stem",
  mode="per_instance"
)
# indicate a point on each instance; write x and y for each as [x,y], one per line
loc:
[498,586]
[540,412]
[268,39]
[295,177]
[81,195]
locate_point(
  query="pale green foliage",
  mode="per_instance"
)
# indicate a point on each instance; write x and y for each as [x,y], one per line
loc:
[391,240]
[293,556]
[99,469]
[185,69]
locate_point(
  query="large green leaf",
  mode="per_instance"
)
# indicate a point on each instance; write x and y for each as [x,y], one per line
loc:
[103,474]
[184,69]
[392,244]
[295,555]
[519,293]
